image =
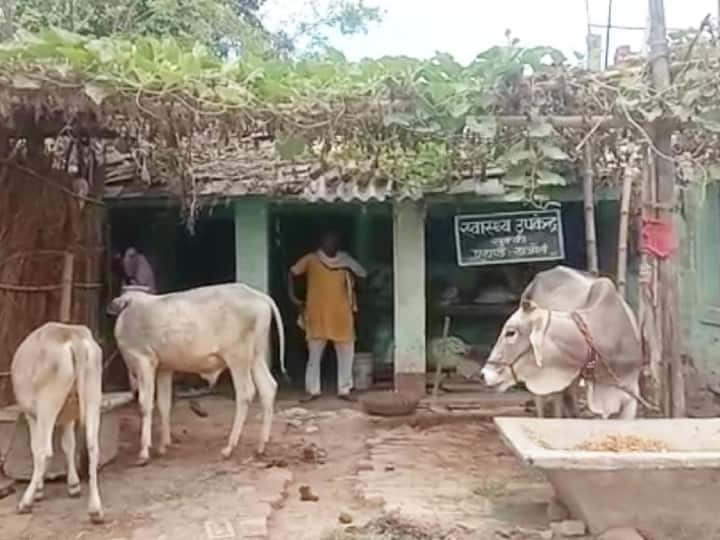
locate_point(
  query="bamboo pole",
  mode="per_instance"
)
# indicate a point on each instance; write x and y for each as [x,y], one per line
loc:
[567,122]
[667,268]
[67,287]
[589,202]
[623,232]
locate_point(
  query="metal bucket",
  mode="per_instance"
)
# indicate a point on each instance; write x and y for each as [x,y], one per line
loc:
[363,371]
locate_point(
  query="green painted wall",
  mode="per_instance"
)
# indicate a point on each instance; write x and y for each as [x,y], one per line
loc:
[700,276]
[251,242]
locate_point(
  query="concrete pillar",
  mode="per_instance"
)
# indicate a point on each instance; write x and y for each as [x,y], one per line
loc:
[409,296]
[252,249]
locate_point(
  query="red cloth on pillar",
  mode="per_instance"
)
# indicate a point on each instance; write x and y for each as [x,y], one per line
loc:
[658,238]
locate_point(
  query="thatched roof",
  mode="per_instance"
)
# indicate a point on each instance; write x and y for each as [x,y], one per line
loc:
[328,129]
[254,167]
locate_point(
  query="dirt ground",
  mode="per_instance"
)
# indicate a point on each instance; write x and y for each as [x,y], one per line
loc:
[449,474]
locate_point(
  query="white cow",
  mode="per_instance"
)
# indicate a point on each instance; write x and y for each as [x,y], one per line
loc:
[582,330]
[53,361]
[203,331]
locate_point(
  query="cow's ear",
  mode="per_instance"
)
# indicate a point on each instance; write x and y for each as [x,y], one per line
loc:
[117,305]
[527,305]
[539,324]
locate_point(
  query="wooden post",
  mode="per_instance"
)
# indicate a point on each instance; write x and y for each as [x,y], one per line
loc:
[439,363]
[667,268]
[652,382]
[623,233]
[590,234]
[67,287]
[607,33]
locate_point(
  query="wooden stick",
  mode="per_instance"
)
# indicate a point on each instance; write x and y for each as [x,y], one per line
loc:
[47,288]
[590,235]
[667,268]
[647,310]
[657,308]
[438,364]
[67,286]
[607,33]
[623,233]
[567,122]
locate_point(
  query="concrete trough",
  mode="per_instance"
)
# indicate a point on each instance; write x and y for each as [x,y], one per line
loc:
[671,493]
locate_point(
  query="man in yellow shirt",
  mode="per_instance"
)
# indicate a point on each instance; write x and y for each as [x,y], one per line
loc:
[328,311]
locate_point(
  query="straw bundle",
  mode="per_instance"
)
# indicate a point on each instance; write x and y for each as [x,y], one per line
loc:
[41,219]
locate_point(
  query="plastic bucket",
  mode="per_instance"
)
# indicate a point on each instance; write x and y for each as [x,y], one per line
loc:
[363,371]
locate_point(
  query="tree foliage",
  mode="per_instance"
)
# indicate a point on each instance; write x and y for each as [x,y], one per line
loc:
[404,115]
[414,121]
[220,24]
[308,30]
[181,18]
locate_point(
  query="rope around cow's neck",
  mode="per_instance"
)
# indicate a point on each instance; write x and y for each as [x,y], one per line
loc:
[594,357]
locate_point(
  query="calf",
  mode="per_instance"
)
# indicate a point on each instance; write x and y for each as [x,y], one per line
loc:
[204,331]
[55,364]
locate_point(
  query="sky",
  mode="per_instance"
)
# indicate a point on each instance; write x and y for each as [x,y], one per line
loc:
[464,28]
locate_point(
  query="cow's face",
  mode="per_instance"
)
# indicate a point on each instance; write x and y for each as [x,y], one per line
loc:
[518,349]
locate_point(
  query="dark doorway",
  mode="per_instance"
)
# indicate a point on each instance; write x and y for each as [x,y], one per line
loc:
[294,233]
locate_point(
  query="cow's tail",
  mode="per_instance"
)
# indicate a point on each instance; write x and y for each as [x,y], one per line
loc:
[281,333]
[278,322]
[81,359]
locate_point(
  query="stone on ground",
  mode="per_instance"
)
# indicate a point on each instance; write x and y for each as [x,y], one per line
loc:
[568,528]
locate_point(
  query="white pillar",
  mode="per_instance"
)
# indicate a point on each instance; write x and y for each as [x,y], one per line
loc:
[252,250]
[409,296]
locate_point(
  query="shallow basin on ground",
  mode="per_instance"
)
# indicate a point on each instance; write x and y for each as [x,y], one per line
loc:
[15,440]
[662,475]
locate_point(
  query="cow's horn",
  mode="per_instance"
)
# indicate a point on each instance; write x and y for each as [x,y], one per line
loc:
[528,305]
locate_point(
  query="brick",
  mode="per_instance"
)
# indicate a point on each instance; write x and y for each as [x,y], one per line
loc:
[219,530]
[252,527]
[569,528]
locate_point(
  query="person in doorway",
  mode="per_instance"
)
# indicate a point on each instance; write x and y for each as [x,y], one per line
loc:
[327,314]
[137,270]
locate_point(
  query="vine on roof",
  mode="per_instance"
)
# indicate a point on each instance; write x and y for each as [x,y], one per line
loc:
[415,121]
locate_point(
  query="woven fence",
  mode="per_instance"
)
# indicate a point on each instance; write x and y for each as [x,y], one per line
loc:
[52,254]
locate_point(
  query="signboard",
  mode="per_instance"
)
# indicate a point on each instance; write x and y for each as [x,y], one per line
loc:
[509,237]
